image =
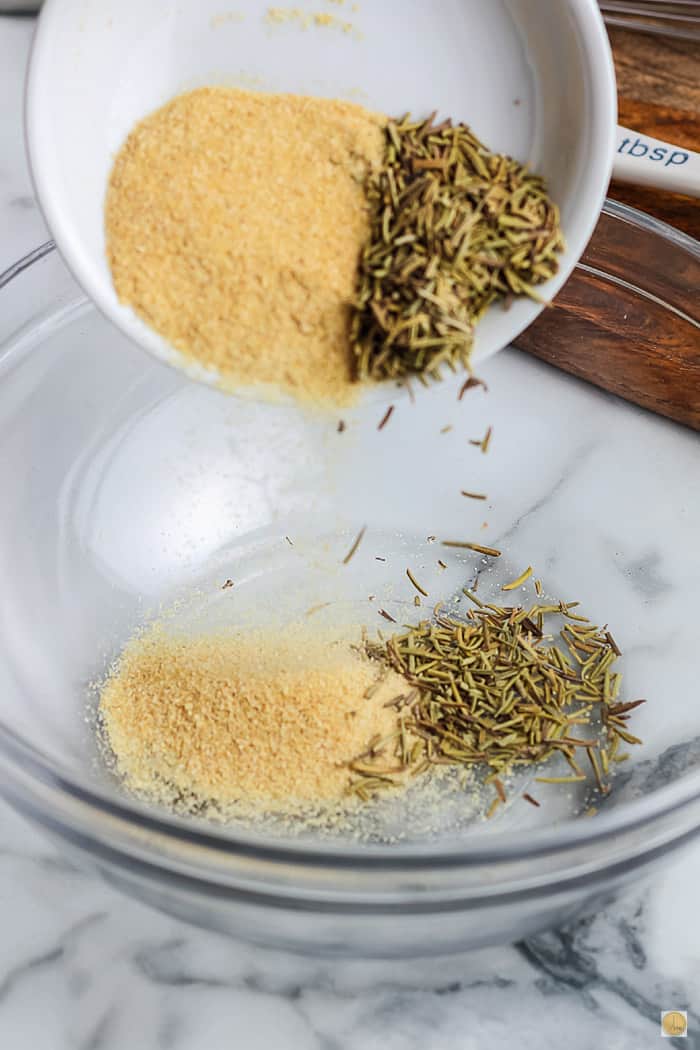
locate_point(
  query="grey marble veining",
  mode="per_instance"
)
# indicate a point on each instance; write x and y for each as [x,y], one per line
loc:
[111,974]
[20,219]
[82,968]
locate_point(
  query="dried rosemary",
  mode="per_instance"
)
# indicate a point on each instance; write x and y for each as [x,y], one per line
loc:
[469,383]
[356,543]
[518,581]
[454,228]
[491,552]
[416,584]
[494,689]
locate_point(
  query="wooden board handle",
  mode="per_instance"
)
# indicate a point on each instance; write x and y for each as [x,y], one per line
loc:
[628,319]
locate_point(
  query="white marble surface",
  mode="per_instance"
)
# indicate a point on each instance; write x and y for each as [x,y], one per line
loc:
[82,968]
[20,220]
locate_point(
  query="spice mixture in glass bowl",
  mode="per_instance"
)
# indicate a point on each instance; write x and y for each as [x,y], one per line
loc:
[134,497]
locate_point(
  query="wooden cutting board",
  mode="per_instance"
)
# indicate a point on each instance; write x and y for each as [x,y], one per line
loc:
[656,366]
[659,93]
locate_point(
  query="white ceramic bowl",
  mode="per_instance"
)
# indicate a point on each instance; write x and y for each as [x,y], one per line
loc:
[533,77]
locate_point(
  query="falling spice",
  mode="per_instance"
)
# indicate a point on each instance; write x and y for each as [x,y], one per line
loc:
[494,690]
[386,417]
[416,584]
[317,608]
[356,544]
[484,442]
[235,221]
[469,384]
[454,228]
[473,495]
[265,718]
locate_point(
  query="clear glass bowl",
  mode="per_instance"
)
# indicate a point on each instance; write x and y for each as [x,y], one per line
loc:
[125,486]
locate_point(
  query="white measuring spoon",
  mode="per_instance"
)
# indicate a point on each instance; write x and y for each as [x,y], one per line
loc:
[646,161]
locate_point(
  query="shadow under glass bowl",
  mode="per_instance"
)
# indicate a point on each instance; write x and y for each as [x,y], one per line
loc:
[126,487]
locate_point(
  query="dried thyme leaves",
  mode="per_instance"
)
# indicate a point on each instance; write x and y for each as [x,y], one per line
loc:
[454,228]
[495,689]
